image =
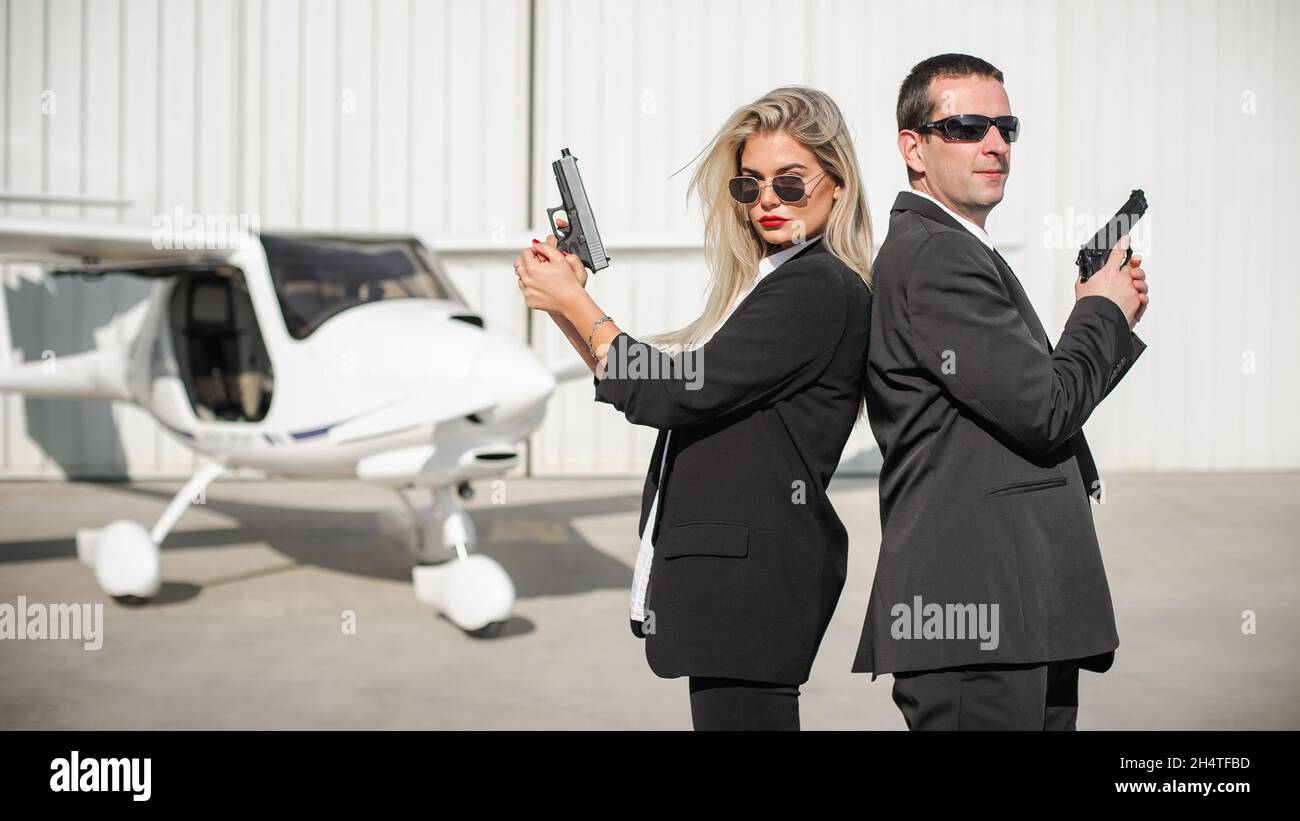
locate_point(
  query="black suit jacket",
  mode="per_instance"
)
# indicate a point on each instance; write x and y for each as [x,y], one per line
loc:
[985,483]
[750,557]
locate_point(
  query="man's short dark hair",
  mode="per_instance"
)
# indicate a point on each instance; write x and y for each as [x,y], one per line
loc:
[914,103]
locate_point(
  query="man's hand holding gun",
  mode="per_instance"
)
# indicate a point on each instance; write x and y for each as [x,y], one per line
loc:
[1120,277]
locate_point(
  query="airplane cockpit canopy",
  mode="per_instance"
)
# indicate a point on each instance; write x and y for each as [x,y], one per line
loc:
[316,278]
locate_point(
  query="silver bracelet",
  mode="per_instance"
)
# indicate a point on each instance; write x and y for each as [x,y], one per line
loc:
[594,326]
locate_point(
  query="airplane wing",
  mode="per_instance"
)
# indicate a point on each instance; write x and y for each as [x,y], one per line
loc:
[94,248]
[96,374]
[67,246]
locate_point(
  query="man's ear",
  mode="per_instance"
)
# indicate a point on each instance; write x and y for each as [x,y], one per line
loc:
[909,145]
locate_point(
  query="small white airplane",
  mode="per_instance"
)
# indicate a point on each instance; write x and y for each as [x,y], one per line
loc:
[301,355]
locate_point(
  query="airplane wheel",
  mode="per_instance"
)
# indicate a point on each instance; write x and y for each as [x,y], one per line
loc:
[488,631]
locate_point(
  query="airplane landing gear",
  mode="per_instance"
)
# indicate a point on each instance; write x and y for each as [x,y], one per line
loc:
[126,558]
[471,589]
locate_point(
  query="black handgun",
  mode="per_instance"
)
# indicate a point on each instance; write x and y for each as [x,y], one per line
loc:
[580,237]
[1093,254]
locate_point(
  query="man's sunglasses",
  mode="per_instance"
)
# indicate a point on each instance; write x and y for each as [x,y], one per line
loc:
[971,128]
[787,187]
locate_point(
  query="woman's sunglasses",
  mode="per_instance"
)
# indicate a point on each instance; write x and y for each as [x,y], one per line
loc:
[971,128]
[787,187]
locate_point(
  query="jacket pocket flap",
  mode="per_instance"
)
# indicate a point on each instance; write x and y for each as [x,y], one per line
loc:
[706,539]
[1026,487]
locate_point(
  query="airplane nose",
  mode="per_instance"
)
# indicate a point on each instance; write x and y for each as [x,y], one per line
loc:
[519,379]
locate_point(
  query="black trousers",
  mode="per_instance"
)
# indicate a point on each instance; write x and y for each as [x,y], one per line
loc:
[990,697]
[738,704]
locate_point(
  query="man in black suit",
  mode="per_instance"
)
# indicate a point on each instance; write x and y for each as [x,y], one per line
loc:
[989,594]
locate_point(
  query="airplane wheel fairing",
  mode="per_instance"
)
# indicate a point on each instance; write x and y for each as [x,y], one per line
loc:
[473,592]
[126,561]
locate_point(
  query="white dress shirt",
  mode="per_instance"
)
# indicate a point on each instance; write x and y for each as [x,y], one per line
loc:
[641,571]
[979,232]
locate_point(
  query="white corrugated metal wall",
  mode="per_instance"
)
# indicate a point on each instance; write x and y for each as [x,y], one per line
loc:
[415,115]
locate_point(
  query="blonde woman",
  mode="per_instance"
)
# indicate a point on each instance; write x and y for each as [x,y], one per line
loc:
[742,556]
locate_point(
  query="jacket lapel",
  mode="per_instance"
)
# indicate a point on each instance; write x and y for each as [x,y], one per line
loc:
[1018,295]
[908,201]
[809,249]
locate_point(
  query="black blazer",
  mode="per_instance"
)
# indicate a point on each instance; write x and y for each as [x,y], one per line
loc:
[749,556]
[984,488]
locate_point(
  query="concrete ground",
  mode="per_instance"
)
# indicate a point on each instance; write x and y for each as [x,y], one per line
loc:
[247,631]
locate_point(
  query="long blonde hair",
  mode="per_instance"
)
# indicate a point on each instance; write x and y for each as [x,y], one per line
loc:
[732,248]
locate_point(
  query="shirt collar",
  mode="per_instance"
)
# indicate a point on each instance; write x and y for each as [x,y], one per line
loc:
[979,232]
[771,262]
